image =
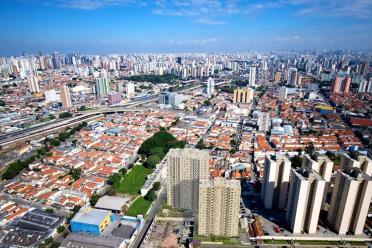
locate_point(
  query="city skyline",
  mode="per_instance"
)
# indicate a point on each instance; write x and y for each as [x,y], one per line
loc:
[130,26]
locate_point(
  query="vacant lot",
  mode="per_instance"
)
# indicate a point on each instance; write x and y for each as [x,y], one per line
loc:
[140,206]
[132,182]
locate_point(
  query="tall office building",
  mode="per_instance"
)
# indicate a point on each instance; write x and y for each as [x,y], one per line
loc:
[56,61]
[263,121]
[65,96]
[210,87]
[102,86]
[170,98]
[362,162]
[304,200]
[283,93]
[243,95]
[252,76]
[341,83]
[292,76]
[219,205]
[33,84]
[350,201]
[185,167]
[275,182]
[130,89]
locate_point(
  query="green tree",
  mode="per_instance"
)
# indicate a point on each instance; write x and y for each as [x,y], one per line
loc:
[310,149]
[151,195]
[94,199]
[55,244]
[200,144]
[65,115]
[156,186]
[61,229]
[2,103]
[48,241]
[152,161]
[296,161]
[75,173]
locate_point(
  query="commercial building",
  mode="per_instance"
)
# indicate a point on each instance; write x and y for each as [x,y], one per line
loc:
[219,204]
[31,229]
[102,86]
[112,203]
[113,98]
[306,191]
[243,95]
[170,98]
[56,61]
[275,182]
[78,240]
[90,220]
[51,96]
[350,201]
[362,162]
[365,86]
[185,167]
[65,96]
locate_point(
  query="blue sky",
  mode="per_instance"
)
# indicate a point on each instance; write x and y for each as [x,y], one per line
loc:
[121,26]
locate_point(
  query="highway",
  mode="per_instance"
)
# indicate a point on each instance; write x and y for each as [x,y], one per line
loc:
[22,135]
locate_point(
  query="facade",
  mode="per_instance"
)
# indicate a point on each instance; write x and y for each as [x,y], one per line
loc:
[341,83]
[304,200]
[219,205]
[252,76]
[65,96]
[363,163]
[113,98]
[56,61]
[33,84]
[350,201]
[130,89]
[169,98]
[263,121]
[90,220]
[185,167]
[275,182]
[282,93]
[243,95]
[102,86]
[365,86]
[292,76]
[51,96]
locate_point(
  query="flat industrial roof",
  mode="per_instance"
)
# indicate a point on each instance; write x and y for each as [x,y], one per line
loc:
[90,215]
[111,202]
[82,240]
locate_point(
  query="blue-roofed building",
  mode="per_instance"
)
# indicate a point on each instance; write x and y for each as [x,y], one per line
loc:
[90,220]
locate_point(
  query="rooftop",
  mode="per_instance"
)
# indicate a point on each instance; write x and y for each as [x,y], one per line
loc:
[90,215]
[111,202]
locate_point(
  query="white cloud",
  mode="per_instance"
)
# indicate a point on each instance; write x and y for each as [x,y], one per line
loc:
[92,4]
[197,42]
[210,21]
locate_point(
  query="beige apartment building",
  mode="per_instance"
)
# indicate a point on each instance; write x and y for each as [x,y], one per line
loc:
[350,201]
[304,200]
[363,163]
[185,167]
[243,95]
[219,204]
[276,181]
[321,165]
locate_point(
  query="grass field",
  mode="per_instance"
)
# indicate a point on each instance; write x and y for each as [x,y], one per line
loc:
[132,182]
[140,206]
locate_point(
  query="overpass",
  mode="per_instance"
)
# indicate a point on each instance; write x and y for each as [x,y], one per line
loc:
[48,128]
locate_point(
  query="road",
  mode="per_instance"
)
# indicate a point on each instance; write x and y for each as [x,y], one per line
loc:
[150,218]
[22,135]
